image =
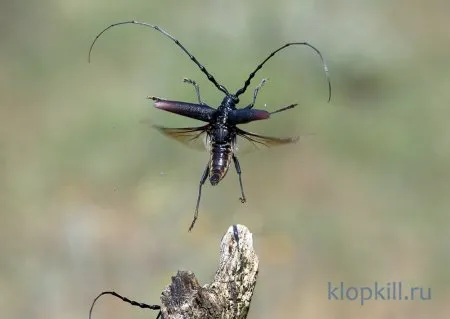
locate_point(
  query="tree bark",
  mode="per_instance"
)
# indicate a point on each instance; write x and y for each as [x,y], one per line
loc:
[229,295]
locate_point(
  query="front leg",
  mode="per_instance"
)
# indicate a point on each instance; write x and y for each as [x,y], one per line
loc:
[255,93]
[197,89]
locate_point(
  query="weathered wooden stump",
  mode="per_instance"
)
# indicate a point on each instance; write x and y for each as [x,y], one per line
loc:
[229,295]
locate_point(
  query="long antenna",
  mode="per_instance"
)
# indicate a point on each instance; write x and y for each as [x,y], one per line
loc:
[252,75]
[202,68]
[132,302]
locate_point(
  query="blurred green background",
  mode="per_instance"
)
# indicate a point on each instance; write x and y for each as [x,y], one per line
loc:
[91,199]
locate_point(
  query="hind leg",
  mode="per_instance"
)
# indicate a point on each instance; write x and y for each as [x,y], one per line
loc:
[202,181]
[238,171]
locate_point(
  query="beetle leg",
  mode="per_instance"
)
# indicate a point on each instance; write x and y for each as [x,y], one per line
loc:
[197,88]
[238,170]
[202,181]
[255,93]
[284,108]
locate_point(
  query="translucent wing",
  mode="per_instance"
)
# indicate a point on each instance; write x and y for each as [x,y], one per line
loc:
[193,137]
[257,142]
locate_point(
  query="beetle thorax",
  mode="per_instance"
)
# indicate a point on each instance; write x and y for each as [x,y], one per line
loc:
[220,134]
[229,102]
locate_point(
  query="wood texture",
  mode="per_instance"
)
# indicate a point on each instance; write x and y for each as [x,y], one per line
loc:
[229,295]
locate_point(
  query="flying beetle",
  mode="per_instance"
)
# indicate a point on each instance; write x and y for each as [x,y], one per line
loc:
[221,129]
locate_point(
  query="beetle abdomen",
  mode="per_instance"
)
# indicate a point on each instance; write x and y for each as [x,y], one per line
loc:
[220,162]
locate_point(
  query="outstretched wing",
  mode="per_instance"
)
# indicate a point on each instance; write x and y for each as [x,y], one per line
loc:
[193,137]
[258,141]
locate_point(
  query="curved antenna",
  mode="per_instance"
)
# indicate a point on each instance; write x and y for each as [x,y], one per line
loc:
[325,67]
[132,302]
[202,68]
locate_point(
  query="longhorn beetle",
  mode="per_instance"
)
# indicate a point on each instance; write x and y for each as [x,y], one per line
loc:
[125,299]
[221,128]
